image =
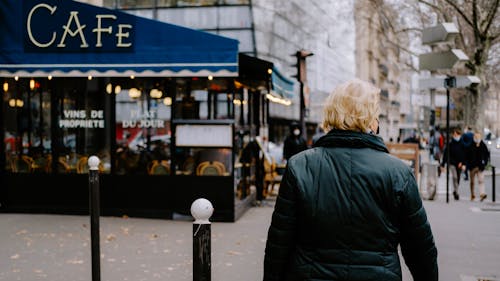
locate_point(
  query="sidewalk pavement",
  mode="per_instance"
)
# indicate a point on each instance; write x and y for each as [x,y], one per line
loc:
[57,248]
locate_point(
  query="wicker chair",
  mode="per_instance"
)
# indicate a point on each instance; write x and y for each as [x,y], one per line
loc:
[210,168]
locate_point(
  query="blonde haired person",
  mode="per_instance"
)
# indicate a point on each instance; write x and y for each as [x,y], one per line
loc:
[345,205]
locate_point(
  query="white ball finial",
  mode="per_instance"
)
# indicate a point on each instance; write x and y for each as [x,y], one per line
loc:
[94,163]
[201,210]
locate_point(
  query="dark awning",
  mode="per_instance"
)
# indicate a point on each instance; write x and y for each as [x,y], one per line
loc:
[68,38]
[255,73]
[254,68]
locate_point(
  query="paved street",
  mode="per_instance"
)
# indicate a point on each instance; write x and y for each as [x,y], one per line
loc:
[57,248]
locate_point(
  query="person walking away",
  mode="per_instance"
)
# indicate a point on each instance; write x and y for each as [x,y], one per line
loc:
[478,157]
[345,206]
[252,155]
[434,150]
[467,141]
[457,159]
[294,142]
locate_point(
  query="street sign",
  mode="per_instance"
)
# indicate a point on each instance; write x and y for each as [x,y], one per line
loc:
[441,60]
[444,32]
[431,82]
[466,81]
[438,82]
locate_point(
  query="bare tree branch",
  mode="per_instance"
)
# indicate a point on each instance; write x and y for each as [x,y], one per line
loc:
[436,8]
[411,66]
[459,11]
[474,17]
[461,35]
[491,15]
[408,29]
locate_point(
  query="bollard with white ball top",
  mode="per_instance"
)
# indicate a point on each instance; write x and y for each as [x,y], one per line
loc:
[93,163]
[201,210]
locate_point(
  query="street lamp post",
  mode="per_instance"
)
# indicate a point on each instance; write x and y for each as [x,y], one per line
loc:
[301,76]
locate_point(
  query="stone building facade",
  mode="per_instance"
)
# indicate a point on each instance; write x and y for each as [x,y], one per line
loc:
[273,31]
[380,60]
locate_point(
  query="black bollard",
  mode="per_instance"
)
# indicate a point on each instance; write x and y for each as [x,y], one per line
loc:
[493,184]
[93,163]
[201,210]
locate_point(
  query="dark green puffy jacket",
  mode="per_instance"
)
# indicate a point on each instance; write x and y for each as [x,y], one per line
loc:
[343,208]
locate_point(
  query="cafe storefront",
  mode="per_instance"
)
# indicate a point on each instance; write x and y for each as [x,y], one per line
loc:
[164,107]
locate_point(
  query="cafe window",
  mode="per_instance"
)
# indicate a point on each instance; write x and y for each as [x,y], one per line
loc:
[83,125]
[143,128]
[54,126]
[223,105]
[21,118]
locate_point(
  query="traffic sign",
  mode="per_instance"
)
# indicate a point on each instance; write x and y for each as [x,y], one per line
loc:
[438,82]
[441,60]
[444,32]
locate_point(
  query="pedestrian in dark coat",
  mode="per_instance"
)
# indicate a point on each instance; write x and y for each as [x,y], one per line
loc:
[457,160]
[345,205]
[294,142]
[467,142]
[477,157]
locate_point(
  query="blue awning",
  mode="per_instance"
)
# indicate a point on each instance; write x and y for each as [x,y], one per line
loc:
[281,85]
[69,38]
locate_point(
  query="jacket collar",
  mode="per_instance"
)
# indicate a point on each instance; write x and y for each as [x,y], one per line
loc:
[341,138]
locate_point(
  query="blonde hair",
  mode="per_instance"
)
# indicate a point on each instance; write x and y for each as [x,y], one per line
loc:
[352,106]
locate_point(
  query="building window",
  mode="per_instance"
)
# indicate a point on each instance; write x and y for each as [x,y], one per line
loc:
[132,4]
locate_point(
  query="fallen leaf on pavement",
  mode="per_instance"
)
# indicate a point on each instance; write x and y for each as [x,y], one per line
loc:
[125,230]
[234,253]
[110,237]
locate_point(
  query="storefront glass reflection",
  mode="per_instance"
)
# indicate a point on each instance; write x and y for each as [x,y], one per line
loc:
[143,130]
[69,125]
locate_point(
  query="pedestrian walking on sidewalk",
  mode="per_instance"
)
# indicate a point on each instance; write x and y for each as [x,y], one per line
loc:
[477,157]
[434,150]
[345,205]
[457,160]
[294,142]
[467,142]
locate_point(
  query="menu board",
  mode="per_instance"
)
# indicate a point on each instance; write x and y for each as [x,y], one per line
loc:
[204,135]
